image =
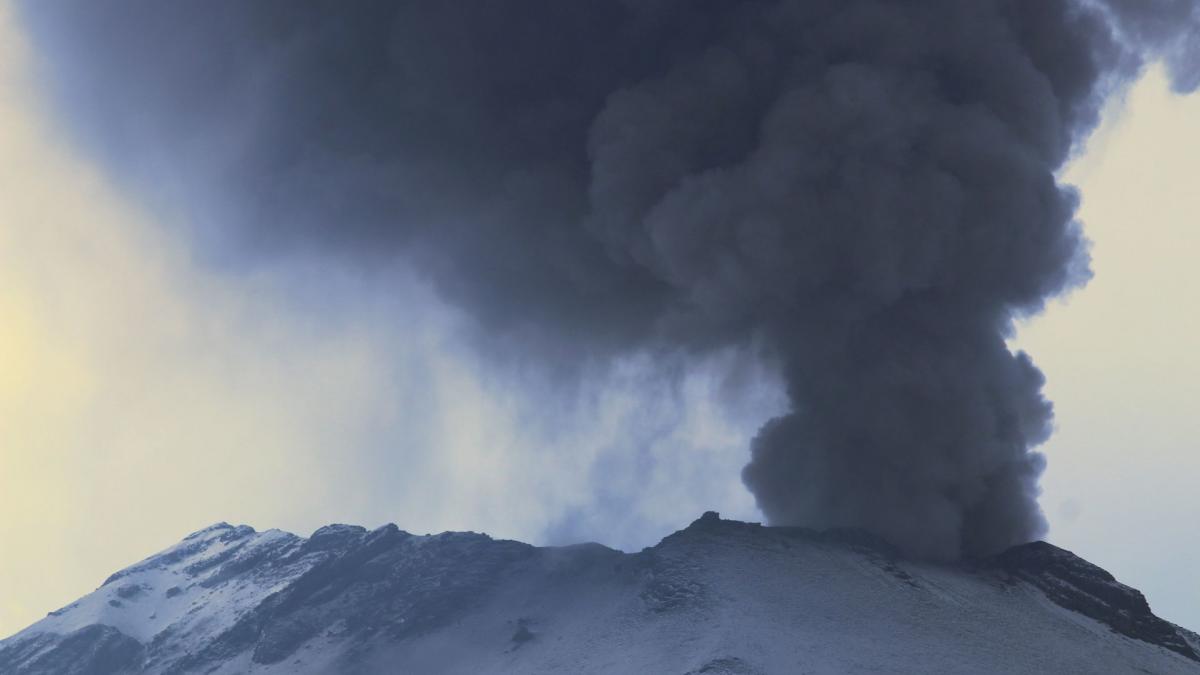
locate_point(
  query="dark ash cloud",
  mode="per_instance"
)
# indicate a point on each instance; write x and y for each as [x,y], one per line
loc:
[866,189]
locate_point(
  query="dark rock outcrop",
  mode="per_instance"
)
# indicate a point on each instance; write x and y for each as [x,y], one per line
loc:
[1078,585]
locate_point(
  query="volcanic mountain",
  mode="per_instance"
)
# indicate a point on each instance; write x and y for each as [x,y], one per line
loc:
[718,597]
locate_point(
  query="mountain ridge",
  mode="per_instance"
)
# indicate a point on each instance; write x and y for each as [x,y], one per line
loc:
[708,598]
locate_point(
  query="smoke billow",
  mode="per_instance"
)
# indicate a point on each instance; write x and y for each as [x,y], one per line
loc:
[866,189]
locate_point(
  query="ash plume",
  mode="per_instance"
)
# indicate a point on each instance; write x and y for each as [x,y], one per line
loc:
[865,189]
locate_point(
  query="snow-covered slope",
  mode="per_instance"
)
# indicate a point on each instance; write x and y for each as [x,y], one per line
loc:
[720,597]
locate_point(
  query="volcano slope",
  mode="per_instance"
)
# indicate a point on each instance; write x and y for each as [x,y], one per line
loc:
[718,597]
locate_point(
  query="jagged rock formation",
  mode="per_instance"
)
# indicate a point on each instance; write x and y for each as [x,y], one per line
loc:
[719,597]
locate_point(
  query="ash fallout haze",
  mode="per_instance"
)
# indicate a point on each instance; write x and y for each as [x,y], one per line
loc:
[852,200]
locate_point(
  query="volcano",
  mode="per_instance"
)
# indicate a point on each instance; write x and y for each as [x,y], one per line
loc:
[718,597]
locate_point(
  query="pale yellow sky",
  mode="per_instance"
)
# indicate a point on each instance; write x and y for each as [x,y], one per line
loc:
[1122,356]
[114,348]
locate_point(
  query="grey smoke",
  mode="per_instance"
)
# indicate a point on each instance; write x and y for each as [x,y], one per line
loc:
[1164,29]
[865,190]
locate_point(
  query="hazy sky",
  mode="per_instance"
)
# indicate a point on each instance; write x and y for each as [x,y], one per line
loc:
[1120,356]
[144,394]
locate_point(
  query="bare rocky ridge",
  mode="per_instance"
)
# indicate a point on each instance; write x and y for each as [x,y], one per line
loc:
[1080,586]
[717,597]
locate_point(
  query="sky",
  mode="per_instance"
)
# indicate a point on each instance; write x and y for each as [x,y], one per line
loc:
[145,395]
[147,391]
[1120,358]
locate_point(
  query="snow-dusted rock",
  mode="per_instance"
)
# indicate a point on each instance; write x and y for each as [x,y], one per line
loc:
[719,597]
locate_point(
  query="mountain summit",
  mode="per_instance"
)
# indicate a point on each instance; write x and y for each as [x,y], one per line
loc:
[719,597]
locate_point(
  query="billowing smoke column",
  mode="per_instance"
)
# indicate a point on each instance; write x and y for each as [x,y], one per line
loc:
[865,188]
